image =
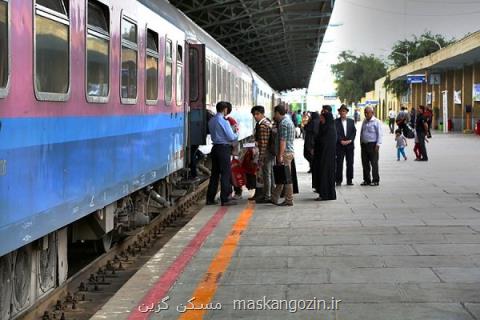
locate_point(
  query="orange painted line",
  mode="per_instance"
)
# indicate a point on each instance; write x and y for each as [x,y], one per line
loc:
[207,288]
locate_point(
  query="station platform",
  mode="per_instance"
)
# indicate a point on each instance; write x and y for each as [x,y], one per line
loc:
[407,249]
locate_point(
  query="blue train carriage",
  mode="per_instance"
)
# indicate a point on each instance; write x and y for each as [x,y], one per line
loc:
[81,164]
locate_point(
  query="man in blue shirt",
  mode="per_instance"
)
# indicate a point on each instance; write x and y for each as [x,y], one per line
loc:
[370,140]
[222,137]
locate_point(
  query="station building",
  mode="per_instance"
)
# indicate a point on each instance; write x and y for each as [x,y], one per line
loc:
[451,86]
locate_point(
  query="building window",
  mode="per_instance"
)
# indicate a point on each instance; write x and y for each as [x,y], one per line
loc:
[52,56]
[129,61]
[98,52]
[179,86]
[168,71]
[4,65]
[152,67]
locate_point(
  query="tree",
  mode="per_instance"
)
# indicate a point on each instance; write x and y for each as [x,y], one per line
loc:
[356,75]
[411,50]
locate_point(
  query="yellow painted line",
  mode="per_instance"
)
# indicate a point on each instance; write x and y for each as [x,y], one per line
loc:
[207,288]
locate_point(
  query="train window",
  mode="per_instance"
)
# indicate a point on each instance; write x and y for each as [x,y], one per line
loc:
[224,84]
[52,56]
[193,74]
[208,81]
[232,88]
[213,77]
[219,83]
[237,92]
[227,85]
[4,67]
[98,52]
[152,67]
[168,71]
[128,89]
[179,86]
[58,6]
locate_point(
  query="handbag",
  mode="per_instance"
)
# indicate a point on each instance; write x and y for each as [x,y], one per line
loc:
[282,174]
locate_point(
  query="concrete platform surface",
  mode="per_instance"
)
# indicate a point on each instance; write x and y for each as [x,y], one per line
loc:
[408,249]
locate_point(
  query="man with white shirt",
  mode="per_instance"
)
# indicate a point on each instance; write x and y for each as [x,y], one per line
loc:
[391,120]
[370,140]
[346,133]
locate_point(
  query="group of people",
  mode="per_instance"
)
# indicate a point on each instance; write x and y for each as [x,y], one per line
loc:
[274,143]
[415,124]
[329,142]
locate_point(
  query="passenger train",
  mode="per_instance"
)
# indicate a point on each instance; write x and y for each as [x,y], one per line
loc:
[100,101]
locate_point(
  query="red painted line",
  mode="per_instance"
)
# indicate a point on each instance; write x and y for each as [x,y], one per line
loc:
[163,285]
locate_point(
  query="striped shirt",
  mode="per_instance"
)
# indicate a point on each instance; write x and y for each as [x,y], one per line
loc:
[263,130]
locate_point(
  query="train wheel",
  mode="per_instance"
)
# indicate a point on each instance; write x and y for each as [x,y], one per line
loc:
[22,276]
[106,242]
[6,288]
[47,266]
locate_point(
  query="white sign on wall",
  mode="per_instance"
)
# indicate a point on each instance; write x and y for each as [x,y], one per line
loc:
[429,98]
[457,97]
[445,110]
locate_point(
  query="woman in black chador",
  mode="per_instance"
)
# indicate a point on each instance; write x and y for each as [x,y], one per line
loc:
[324,158]
[311,131]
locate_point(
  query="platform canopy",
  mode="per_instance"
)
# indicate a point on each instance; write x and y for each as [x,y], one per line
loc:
[278,39]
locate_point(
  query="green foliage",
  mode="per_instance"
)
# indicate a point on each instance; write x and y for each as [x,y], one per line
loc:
[356,75]
[416,48]
[295,106]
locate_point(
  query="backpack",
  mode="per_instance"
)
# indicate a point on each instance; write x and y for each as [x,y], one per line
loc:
[408,131]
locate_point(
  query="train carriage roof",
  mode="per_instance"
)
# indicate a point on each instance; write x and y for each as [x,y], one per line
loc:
[193,31]
[279,39]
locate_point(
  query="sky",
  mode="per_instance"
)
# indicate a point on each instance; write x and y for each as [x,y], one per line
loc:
[373,26]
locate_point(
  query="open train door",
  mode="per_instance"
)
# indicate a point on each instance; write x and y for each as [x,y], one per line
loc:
[197,114]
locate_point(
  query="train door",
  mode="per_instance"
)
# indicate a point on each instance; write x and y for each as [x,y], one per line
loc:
[197,110]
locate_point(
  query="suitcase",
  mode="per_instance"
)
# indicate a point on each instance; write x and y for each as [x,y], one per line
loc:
[282,174]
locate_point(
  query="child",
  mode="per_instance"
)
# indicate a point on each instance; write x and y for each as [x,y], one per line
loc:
[401,144]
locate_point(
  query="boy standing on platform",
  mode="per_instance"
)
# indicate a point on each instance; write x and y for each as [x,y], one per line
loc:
[285,153]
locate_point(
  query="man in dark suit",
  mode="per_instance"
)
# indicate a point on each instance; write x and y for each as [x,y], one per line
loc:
[346,133]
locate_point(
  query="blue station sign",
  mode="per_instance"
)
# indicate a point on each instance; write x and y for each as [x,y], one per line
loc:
[415,78]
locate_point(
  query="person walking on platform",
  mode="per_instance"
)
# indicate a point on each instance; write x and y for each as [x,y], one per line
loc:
[391,120]
[311,131]
[222,137]
[371,137]
[421,128]
[263,134]
[345,148]
[284,153]
[324,158]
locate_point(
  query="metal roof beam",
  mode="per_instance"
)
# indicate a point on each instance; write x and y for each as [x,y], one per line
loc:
[290,17]
[274,28]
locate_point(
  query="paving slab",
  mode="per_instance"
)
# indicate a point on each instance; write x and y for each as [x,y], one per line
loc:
[408,249]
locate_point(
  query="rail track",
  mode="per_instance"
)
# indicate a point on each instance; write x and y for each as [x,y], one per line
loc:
[86,291]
